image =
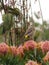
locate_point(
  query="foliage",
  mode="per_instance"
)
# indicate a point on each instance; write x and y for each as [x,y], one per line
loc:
[46,34]
[1,29]
[14,11]
[8,21]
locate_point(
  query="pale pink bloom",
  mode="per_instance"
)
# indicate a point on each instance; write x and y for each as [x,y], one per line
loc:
[29,45]
[30,62]
[20,50]
[13,50]
[45,46]
[4,48]
[46,58]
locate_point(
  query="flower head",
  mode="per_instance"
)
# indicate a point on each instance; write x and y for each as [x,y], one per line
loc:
[45,46]
[30,62]
[4,48]
[20,50]
[29,45]
[46,58]
[13,50]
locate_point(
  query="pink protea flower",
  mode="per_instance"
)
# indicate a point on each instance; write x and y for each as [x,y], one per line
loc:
[4,48]
[30,62]
[13,50]
[20,50]
[46,58]
[29,45]
[45,46]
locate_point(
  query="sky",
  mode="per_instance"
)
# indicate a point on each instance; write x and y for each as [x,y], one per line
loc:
[36,8]
[0,19]
[44,7]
